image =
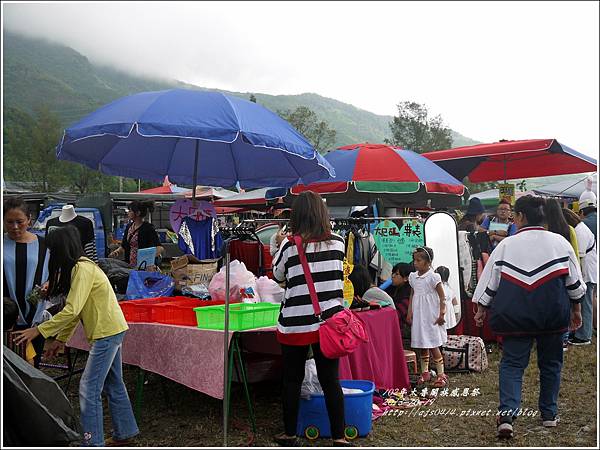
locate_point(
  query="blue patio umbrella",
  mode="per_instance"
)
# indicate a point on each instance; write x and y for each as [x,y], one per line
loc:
[194,137]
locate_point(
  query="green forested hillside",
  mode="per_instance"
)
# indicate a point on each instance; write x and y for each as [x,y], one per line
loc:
[37,72]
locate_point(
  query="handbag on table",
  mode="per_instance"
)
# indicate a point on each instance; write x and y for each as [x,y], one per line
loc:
[342,333]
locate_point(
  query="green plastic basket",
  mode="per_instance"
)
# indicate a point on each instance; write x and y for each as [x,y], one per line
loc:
[242,316]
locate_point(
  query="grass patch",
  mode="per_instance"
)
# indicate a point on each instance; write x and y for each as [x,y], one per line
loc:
[176,416]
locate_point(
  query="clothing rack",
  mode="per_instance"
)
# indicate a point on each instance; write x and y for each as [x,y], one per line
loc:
[264,220]
[354,220]
[242,232]
[350,221]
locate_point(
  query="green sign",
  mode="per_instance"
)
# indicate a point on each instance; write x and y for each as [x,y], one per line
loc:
[397,245]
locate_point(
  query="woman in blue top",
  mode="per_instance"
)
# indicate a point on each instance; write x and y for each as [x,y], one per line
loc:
[500,226]
[25,265]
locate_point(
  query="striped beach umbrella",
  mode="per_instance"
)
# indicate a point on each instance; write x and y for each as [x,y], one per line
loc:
[366,172]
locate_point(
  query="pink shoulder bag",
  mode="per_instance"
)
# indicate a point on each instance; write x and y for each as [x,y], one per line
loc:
[342,333]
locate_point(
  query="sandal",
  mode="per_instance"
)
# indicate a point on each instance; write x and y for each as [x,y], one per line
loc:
[424,378]
[441,381]
[285,441]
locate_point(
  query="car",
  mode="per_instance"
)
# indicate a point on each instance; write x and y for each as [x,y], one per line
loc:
[266,231]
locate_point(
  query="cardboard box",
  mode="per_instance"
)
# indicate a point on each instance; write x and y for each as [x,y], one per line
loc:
[187,270]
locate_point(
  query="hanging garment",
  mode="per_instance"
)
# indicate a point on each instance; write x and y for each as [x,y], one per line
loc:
[350,248]
[357,248]
[200,238]
[86,233]
[250,253]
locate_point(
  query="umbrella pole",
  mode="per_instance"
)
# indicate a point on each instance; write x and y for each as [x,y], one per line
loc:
[226,348]
[195,172]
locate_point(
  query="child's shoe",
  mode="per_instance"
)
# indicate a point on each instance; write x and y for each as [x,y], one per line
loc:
[441,381]
[424,378]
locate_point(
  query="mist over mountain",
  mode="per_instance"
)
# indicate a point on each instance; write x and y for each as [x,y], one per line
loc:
[37,72]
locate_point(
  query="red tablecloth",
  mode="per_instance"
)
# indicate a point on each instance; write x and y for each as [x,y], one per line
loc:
[380,360]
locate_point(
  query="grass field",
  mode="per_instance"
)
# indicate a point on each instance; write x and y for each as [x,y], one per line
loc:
[177,416]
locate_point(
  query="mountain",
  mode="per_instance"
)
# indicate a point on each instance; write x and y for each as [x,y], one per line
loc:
[37,71]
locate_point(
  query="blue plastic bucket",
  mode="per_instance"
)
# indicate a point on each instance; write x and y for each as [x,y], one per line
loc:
[313,421]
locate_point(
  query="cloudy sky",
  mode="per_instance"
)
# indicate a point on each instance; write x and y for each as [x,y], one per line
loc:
[493,71]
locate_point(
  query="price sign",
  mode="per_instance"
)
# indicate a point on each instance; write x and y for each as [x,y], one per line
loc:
[397,245]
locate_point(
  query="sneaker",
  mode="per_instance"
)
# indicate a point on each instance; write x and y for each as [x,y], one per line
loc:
[577,341]
[550,423]
[505,430]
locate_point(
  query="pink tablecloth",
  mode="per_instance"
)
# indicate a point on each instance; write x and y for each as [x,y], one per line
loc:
[194,357]
[380,360]
[187,355]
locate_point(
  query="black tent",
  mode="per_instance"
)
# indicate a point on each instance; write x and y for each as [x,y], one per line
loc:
[36,410]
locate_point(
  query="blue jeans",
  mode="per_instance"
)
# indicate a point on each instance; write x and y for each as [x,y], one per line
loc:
[515,358]
[104,373]
[587,316]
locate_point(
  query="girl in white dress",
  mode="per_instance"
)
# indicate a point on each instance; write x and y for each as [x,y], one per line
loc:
[426,314]
[452,308]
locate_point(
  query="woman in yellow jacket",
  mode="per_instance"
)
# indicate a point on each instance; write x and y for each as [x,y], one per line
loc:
[555,222]
[91,300]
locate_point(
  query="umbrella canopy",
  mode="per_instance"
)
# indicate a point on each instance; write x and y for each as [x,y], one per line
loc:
[255,198]
[211,193]
[491,197]
[567,189]
[194,137]
[173,189]
[512,159]
[366,172]
[166,188]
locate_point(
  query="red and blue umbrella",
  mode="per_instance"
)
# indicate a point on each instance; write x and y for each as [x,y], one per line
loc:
[366,172]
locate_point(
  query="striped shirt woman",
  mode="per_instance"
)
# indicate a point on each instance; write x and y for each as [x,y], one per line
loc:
[298,327]
[297,324]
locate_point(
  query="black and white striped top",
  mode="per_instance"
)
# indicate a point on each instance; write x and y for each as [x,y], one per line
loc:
[297,324]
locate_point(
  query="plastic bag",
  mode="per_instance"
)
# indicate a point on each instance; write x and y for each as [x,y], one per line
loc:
[149,285]
[311,384]
[196,290]
[269,290]
[242,284]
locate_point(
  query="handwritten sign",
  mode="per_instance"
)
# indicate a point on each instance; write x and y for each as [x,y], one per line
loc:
[199,210]
[395,244]
[348,286]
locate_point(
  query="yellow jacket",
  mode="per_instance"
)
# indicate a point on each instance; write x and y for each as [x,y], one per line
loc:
[573,240]
[92,300]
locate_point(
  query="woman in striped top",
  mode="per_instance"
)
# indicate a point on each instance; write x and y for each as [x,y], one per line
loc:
[298,327]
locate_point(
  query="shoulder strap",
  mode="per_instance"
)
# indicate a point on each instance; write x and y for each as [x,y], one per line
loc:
[309,280]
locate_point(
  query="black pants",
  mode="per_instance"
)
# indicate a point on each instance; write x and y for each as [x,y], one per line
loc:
[294,360]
